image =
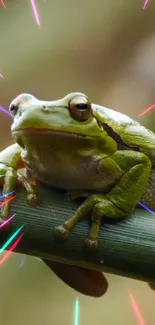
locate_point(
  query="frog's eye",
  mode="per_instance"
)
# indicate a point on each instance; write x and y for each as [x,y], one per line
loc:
[13,108]
[80,108]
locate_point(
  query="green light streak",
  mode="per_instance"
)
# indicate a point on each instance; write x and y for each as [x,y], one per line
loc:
[76,315]
[10,239]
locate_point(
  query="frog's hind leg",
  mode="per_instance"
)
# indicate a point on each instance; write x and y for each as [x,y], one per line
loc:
[97,204]
[120,200]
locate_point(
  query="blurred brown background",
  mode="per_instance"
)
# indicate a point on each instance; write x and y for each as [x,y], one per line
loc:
[105,49]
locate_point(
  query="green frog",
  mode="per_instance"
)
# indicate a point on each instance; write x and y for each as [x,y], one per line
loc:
[85,149]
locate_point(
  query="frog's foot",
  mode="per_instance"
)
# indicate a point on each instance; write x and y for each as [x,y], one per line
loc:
[73,195]
[32,197]
[91,243]
[100,206]
[62,232]
[90,204]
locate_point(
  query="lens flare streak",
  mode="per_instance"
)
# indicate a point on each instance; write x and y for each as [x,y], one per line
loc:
[76,315]
[6,221]
[146,208]
[35,12]
[147,110]
[11,249]
[8,200]
[2,109]
[7,194]
[1,76]
[2,3]
[11,239]
[136,310]
[23,261]
[145,4]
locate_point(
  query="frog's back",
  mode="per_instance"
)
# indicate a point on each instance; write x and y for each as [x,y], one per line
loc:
[131,132]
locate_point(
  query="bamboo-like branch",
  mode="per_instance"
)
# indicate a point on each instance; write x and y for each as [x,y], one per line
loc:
[126,247]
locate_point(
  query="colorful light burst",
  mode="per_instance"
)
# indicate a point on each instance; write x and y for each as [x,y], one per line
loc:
[35,12]
[2,109]
[147,110]
[23,261]
[11,249]
[145,4]
[146,208]
[136,310]
[8,200]
[2,3]
[10,239]
[7,194]
[76,313]
[6,221]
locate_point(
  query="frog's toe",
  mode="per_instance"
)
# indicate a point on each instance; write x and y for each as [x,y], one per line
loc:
[33,199]
[91,243]
[61,232]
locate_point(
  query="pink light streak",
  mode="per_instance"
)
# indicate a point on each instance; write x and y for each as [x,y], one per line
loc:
[35,12]
[136,310]
[147,110]
[3,4]
[1,76]
[6,221]
[8,253]
[6,201]
[145,4]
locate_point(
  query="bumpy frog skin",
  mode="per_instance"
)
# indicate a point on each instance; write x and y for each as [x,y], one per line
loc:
[85,149]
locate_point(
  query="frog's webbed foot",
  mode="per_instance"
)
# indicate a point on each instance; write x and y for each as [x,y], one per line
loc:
[11,176]
[93,203]
[99,206]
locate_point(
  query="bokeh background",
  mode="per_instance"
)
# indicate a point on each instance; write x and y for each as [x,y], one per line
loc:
[105,49]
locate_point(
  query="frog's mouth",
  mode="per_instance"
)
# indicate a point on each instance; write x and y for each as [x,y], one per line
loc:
[49,137]
[32,131]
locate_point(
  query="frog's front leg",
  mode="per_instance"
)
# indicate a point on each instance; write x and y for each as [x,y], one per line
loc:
[8,187]
[123,197]
[10,159]
[10,182]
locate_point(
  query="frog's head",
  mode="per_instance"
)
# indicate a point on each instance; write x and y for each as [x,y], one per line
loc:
[73,114]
